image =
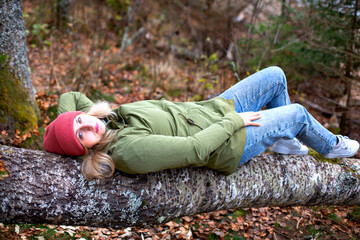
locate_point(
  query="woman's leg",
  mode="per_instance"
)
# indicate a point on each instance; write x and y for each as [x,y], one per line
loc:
[267,87]
[287,121]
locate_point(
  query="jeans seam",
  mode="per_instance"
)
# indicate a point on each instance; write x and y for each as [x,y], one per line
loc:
[321,137]
[274,131]
[262,93]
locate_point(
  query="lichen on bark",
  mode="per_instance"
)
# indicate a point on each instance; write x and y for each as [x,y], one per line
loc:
[13,41]
[16,109]
[49,188]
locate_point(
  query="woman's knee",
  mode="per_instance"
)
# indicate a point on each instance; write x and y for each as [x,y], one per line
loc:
[276,70]
[276,74]
[299,111]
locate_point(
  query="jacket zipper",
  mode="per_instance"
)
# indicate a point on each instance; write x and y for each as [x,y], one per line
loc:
[190,121]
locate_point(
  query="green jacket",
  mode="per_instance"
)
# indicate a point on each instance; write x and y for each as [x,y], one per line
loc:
[158,134]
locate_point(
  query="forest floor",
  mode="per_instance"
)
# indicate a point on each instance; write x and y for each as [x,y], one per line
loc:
[72,64]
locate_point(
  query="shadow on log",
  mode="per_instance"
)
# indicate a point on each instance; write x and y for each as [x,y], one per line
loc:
[48,188]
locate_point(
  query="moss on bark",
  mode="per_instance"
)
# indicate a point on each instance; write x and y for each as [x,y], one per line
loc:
[16,108]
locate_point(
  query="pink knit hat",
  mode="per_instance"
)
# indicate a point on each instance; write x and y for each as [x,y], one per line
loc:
[60,137]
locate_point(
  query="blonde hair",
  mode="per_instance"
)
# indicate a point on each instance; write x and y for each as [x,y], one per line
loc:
[98,164]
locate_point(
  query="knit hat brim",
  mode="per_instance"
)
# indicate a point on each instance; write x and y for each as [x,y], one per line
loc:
[60,137]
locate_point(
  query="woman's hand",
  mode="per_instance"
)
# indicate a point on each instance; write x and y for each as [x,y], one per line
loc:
[250,117]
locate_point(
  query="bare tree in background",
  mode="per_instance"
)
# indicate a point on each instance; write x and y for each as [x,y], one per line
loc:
[349,67]
[206,24]
[63,16]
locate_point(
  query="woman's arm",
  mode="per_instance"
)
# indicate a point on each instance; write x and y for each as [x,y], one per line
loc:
[151,153]
[74,101]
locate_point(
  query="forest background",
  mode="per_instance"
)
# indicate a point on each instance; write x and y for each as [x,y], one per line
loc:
[129,50]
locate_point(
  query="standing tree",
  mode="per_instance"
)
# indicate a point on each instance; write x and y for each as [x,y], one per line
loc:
[63,16]
[18,109]
[335,38]
[350,63]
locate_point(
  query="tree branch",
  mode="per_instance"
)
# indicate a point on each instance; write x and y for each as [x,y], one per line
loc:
[48,188]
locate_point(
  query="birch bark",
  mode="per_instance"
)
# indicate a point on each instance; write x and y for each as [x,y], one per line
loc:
[48,188]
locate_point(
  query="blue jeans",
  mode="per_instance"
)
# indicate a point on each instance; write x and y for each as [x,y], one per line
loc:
[268,88]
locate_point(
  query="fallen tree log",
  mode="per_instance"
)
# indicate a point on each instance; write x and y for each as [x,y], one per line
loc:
[48,188]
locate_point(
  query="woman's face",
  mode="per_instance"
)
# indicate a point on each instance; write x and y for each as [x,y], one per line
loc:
[88,129]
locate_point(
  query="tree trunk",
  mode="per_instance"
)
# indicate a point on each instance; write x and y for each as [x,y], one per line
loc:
[18,107]
[63,16]
[48,188]
[344,123]
[12,40]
